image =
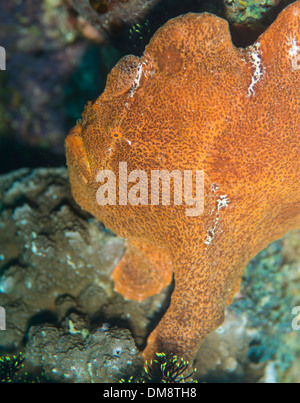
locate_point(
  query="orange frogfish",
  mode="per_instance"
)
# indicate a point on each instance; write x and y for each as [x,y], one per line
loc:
[192,154]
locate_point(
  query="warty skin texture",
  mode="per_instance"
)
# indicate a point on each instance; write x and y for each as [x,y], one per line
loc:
[195,102]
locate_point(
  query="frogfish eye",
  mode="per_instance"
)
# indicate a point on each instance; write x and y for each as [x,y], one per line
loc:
[116,135]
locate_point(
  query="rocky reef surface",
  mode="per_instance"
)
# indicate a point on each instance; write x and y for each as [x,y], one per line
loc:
[63,313]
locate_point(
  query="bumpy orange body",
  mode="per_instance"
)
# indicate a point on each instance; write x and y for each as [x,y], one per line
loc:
[195,102]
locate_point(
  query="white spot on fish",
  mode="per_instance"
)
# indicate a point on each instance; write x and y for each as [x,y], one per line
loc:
[222,202]
[255,57]
[294,54]
[211,233]
[136,82]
